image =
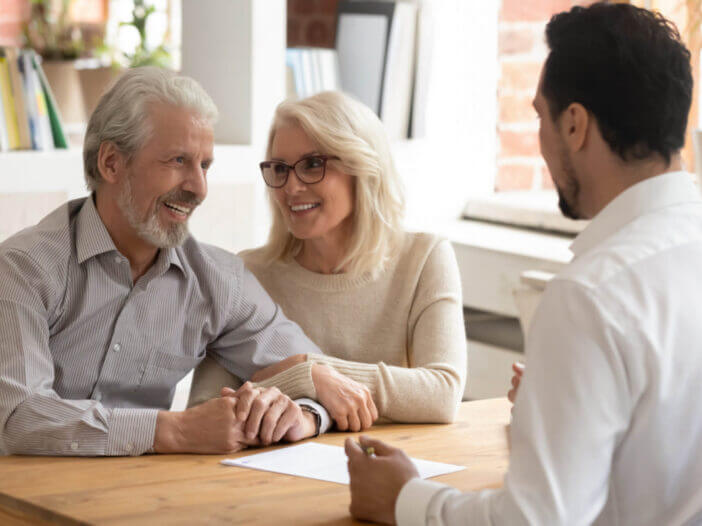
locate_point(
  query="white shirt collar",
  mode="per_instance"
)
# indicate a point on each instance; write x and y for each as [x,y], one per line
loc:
[650,194]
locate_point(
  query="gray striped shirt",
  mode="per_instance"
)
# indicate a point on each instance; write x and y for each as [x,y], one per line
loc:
[87,358]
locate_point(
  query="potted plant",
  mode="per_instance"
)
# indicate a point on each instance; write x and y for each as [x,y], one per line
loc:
[96,79]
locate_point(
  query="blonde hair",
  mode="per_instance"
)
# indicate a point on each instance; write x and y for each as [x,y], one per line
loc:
[343,127]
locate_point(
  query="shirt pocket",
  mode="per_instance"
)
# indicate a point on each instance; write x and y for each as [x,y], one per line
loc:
[161,374]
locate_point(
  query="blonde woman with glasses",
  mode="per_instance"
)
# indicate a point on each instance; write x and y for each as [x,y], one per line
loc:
[384,305]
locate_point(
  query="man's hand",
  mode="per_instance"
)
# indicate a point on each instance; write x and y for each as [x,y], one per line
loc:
[269,414]
[376,481]
[349,403]
[518,368]
[283,365]
[211,428]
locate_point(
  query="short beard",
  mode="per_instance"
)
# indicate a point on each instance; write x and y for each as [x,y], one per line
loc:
[150,228]
[568,195]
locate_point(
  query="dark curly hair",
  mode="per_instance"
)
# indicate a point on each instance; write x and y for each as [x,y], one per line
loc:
[628,67]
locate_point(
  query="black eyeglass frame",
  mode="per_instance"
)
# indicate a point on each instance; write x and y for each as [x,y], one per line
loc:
[267,164]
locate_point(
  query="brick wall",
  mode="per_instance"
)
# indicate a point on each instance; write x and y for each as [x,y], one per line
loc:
[312,22]
[13,13]
[521,52]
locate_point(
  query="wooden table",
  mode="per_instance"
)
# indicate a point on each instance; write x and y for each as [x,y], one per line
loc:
[196,489]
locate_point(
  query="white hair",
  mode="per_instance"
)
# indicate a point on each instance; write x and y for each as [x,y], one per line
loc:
[121,114]
[343,127]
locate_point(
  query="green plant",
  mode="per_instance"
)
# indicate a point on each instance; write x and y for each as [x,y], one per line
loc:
[143,56]
[50,33]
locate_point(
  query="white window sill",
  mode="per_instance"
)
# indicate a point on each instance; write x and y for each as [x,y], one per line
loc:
[537,210]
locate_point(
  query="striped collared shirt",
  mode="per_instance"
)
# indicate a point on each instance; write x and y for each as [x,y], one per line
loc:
[88,358]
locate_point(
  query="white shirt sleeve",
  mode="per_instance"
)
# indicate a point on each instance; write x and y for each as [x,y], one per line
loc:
[572,409]
[325,420]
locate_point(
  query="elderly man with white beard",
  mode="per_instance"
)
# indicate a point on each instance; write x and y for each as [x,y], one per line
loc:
[108,302]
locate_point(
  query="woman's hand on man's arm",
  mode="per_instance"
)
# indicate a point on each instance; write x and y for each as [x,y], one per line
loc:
[348,402]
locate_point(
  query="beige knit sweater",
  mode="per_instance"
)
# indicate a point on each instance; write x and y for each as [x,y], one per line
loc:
[401,334]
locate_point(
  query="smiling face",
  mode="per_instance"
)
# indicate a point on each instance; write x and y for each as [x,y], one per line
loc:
[555,153]
[322,210]
[166,179]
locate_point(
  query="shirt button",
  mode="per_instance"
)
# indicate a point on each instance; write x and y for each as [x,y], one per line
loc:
[118,260]
[116,347]
[98,396]
[74,446]
[129,448]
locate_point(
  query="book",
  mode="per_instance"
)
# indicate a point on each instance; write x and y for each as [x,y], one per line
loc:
[398,83]
[17,81]
[40,125]
[375,41]
[8,101]
[362,33]
[4,139]
[59,137]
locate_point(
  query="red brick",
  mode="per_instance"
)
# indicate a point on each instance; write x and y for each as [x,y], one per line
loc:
[546,181]
[302,7]
[319,33]
[518,144]
[516,108]
[519,76]
[10,33]
[514,177]
[328,7]
[294,32]
[532,10]
[14,10]
[514,41]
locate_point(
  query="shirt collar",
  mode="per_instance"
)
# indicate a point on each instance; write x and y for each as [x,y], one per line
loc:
[92,238]
[651,194]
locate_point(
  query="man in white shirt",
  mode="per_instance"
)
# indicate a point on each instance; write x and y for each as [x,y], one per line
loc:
[607,427]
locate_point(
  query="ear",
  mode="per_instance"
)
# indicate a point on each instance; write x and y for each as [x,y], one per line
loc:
[111,162]
[574,124]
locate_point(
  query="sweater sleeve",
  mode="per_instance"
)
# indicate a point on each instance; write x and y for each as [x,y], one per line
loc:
[431,387]
[210,377]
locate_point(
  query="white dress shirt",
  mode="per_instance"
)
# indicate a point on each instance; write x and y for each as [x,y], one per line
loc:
[607,425]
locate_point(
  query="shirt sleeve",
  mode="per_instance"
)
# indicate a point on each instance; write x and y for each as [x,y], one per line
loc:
[571,412]
[258,334]
[34,419]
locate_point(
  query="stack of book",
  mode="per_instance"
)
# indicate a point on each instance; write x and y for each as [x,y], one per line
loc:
[29,117]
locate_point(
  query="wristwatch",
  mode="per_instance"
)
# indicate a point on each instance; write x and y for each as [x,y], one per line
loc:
[317,417]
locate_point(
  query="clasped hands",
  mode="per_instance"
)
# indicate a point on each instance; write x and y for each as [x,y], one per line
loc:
[249,416]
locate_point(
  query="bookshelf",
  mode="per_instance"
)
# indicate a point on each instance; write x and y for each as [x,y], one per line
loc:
[241,64]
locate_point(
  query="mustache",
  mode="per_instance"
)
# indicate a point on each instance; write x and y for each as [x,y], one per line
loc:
[181,196]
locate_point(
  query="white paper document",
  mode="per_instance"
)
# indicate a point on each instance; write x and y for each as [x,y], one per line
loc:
[322,462]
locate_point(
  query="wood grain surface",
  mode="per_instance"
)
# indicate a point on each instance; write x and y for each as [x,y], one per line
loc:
[196,489]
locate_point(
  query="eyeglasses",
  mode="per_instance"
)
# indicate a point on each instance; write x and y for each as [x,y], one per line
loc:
[309,170]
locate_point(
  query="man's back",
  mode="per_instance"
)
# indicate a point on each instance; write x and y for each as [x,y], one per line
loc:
[614,355]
